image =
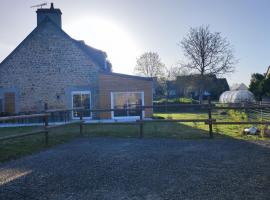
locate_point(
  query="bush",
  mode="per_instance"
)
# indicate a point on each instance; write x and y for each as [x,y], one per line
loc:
[181,100]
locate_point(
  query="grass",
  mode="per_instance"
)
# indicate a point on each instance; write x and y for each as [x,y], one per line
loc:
[152,130]
[13,149]
[231,131]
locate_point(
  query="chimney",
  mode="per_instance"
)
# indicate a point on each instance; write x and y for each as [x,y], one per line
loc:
[52,13]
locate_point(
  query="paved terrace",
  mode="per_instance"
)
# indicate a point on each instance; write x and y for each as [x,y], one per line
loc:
[110,168]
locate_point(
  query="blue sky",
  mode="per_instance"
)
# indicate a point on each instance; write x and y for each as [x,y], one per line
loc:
[127,28]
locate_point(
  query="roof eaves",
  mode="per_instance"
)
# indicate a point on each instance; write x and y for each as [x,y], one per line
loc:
[128,76]
[87,50]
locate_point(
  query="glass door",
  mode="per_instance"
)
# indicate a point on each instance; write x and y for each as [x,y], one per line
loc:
[81,99]
[126,100]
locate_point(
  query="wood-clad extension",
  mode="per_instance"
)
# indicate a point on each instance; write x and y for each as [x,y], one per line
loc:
[114,82]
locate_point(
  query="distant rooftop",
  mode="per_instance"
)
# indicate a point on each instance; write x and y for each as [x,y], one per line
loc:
[240,86]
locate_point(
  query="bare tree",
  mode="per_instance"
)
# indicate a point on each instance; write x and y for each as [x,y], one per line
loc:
[207,53]
[149,64]
[174,71]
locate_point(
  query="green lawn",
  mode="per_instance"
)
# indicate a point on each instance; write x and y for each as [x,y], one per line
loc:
[231,131]
[15,148]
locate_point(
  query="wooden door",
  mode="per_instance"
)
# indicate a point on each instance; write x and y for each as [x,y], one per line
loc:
[9,101]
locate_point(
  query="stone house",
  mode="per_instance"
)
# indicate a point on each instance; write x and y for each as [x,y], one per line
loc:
[49,67]
[189,86]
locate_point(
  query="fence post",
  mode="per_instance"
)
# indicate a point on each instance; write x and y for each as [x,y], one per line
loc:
[81,123]
[141,122]
[261,111]
[46,124]
[210,117]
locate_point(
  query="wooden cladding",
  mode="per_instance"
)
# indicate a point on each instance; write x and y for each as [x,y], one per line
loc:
[109,83]
[9,102]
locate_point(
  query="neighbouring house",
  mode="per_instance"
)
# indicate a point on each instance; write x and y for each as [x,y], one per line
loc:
[189,86]
[171,88]
[49,67]
[159,88]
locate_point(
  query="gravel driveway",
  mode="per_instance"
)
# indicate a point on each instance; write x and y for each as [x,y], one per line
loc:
[151,169]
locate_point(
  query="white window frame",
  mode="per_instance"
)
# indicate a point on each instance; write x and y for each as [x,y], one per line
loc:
[126,117]
[81,92]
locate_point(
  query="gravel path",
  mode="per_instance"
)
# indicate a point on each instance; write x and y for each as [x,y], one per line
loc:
[151,169]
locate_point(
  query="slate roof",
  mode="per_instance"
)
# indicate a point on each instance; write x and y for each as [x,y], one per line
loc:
[196,77]
[96,54]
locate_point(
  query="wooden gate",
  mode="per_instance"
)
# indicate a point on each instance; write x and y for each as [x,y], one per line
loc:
[9,102]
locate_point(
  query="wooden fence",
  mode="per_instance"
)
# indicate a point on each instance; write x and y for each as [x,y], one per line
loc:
[210,121]
[46,126]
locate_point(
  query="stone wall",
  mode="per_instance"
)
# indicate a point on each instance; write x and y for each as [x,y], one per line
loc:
[45,68]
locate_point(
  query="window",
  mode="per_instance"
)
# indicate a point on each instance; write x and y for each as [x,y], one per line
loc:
[81,99]
[172,92]
[126,100]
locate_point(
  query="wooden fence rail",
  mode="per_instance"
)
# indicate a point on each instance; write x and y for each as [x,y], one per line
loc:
[239,123]
[46,126]
[140,122]
[23,117]
[209,121]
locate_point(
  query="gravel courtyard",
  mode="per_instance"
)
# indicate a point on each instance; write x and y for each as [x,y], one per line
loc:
[151,169]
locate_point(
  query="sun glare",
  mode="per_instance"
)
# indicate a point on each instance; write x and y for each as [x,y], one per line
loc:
[108,36]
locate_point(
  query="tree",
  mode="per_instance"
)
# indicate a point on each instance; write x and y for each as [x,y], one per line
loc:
[207,53]
[174,71]
[260,85]
[149,64]
[266,86]
[256,85]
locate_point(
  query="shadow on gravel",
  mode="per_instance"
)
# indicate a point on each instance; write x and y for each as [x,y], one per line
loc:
[130,168]
[152,130]
[16,148]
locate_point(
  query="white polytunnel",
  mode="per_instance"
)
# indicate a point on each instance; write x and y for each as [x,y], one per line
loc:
[239,94]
